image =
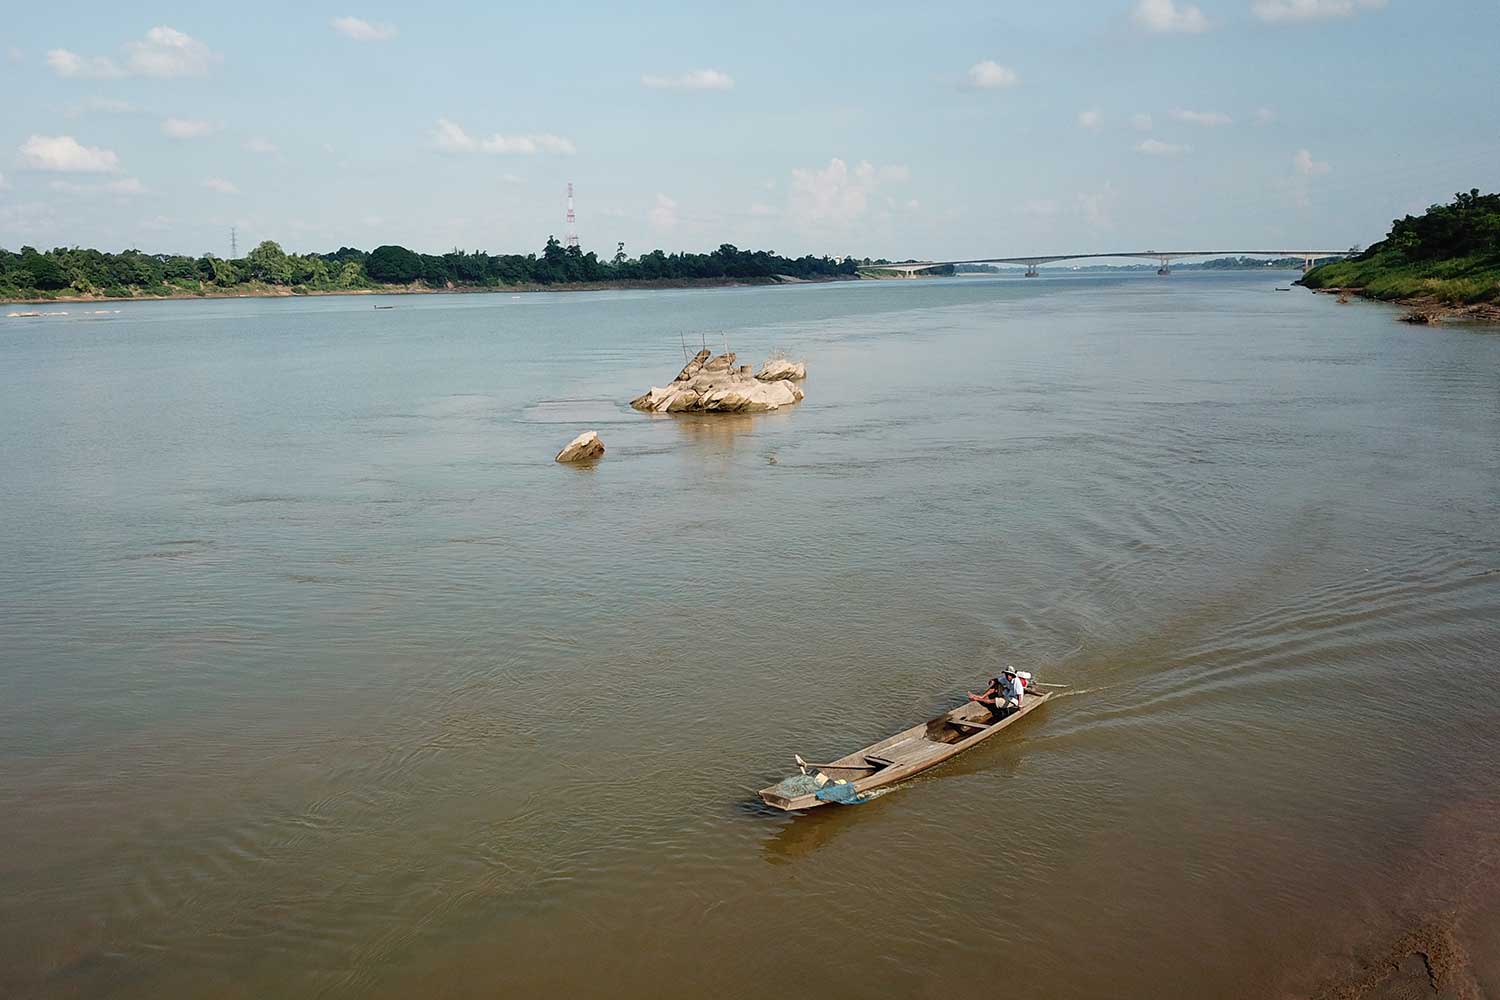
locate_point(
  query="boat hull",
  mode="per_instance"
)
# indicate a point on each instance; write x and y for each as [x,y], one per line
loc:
[909,752]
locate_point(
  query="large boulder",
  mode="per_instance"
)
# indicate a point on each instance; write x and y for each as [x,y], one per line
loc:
[584,447]
[715,384]
[779,369]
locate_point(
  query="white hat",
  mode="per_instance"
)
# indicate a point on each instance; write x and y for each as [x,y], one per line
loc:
[1010,670]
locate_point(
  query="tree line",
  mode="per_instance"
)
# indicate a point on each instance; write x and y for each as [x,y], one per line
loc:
[33,273]
[1466,227]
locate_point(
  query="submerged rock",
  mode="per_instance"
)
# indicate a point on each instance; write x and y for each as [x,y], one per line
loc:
[715,384]
[582,448]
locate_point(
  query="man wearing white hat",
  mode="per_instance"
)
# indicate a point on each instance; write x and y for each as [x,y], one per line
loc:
[1004,695]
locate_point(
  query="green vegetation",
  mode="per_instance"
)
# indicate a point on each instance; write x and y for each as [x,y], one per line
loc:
[1450,255]
[63,272]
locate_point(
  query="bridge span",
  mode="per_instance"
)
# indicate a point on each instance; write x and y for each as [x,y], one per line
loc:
[1165,257]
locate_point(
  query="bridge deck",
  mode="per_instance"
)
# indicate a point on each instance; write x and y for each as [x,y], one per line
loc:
[1161,255]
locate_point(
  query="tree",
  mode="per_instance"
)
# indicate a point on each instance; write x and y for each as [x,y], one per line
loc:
[45,273]
[226,274]
[351,275]
[393,265]
[268,262]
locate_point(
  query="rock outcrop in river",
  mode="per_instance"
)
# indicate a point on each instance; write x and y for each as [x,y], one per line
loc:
[584,447]
[715,384]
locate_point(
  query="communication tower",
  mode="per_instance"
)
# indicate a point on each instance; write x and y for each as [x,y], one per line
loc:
[572,237]
[234,244]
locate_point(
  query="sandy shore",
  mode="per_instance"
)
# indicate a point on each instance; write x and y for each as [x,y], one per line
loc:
[1442,938]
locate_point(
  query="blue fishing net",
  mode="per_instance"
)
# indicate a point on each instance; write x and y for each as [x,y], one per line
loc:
[844,795]
[807,784]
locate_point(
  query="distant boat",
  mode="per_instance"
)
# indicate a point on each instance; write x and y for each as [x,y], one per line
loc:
[385,307]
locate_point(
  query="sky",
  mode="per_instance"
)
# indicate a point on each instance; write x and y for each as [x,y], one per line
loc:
[900,130]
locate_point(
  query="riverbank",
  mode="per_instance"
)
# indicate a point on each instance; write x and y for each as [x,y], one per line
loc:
[1425,308]
[264,291]
[1443,263]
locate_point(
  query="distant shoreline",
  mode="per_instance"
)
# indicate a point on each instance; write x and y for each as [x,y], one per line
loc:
[282,292]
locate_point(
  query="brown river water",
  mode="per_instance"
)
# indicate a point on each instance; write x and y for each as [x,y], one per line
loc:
[321,679]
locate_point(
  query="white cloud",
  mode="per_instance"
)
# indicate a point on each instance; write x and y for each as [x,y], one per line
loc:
[836,195]
[3,185]
[1209,118]
[1155,147]
[761,211]
[698,79]
[1306,169]
[1096,206]
[363,31]
[1040,207]
[451,137]
[1090,119]
[1283,11]
[1309,167]
[220,185]
[1169,16]
[15,55]
[108,106]
[66,154]
[1141,122]
[188,128]
[125,185]
[164,52]
[259,144]
[528,144]
[511,179]
[663,214]
[990,75]
[167,52]
[1264,116]
[71,64]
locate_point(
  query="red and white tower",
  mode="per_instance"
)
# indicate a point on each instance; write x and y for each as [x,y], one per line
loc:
[572,237]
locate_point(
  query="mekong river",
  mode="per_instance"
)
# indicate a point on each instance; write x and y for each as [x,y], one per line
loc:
[322,679]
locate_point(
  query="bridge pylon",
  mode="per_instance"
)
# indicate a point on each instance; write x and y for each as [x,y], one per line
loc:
[1166,266]
[1031,269]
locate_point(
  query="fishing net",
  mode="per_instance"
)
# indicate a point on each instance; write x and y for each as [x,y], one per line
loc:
[797,784]
[844,795]
[807,784]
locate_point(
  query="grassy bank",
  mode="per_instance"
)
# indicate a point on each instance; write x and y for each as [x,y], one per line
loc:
[1386,275]
[1449,255]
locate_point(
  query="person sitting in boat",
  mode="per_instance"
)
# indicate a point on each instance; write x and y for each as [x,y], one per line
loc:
[1004,694]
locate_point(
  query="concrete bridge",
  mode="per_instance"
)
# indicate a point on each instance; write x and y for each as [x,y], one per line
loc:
[1165,257]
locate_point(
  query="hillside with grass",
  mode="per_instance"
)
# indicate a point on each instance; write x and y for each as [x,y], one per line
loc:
[1450,255]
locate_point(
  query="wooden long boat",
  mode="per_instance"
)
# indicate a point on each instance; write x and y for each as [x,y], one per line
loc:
[909,752]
